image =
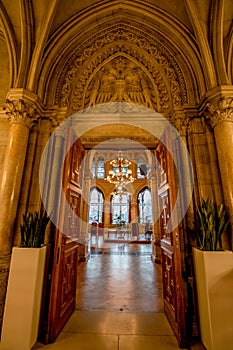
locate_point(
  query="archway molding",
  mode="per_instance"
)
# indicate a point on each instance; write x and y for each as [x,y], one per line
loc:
[72,61]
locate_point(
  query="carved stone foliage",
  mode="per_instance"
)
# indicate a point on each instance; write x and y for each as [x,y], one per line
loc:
[21,112]
[161,81]
[182,125]
[219,111]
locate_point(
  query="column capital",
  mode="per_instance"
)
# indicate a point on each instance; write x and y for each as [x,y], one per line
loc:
[181,119]
[23,113]
[218,111]
[181,124]
[59,122]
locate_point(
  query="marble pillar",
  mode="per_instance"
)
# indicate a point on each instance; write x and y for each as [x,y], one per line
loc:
[25,186]
[22,116]
[219,114]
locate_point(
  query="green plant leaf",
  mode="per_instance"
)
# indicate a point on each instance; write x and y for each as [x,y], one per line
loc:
[211,223]
[33,228]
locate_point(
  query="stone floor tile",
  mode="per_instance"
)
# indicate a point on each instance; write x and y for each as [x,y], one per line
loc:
[74,341]
[119,303]
[139,342]
[119,323]
[127,283]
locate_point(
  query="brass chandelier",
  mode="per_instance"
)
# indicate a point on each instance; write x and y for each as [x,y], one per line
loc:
[120,175]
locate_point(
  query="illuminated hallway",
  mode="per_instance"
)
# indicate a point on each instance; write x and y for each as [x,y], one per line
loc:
[119,303]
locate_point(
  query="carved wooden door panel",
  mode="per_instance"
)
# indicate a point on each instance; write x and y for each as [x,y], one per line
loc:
[170,247]
[62,294]
[63,287]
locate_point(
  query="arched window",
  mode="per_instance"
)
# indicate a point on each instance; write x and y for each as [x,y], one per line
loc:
[120,209]
[96,206]
[145,206]
[100,168]
[142,169]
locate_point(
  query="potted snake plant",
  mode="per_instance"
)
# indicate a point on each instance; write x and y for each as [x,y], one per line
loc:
[25,284]
[213,268]
[33,229]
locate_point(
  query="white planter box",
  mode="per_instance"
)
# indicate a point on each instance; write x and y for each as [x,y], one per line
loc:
[214,281]
[23,298]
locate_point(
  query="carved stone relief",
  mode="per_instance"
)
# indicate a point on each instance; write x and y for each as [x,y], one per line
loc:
[161,81]
[121,81]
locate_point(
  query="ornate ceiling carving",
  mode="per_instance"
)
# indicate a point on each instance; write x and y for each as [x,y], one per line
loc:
[123,64]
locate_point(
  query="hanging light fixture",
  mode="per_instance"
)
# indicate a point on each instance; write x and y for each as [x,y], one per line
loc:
[120,175]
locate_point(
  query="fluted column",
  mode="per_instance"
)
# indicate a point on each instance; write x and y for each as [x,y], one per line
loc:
[219,115]
[22,116]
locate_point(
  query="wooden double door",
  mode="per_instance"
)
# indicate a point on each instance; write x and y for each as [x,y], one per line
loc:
[65,259]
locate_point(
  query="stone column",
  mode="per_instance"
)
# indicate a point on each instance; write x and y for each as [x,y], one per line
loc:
[53,200]
[22,116]
[183,160]
[107,211]
[134,210]
[187,210]
[219,115]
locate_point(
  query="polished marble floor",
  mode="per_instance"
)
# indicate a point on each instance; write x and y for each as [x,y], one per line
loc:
[119,303]
[120,278]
